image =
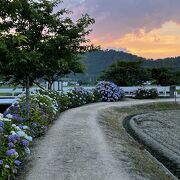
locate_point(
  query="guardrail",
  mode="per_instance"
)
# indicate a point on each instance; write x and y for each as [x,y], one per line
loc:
[163,91]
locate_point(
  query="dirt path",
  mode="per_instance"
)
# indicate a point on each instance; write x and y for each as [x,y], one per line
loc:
[75,148]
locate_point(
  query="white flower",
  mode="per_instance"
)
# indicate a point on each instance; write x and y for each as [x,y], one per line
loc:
[5,119]
[9,116]
[13,132]
[16,155]
[7,166]
[29,138]
[21,133]
[27,150]
[1,115]
[26,127]
[17,128]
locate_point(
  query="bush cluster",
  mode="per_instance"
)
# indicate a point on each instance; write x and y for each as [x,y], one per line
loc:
[143,93]
[17,130]
[109,91]
[80,96]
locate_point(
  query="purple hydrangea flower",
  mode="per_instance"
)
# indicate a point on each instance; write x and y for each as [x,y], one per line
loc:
[1,130]
[6,113]
[109,91]
[11,152]
[17,117]
[1,162]
[20,126]
[11,145]
[1,124]
[13,108]
[25,143]
[13,138]
[17,162]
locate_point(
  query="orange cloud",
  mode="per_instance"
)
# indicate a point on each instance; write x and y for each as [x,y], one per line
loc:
[157,43]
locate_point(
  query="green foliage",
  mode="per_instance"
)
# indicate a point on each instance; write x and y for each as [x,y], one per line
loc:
[64,102]
[9,168]
[165,76]
[126,73]
[42,110]
[16,131]
[36,42]
[133,73]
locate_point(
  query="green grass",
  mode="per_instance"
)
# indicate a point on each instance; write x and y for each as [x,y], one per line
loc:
[141,163]
[4,86]
[8,94]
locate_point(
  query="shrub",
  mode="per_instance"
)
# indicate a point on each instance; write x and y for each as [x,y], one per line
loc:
[108,91]
[14,145]
[143,93]
[64,102]
[80,96]
[17,131]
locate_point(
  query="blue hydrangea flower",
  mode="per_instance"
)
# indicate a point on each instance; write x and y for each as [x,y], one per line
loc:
[109,91]
[1,162]
[20,126]
[13,138]
[17,117]
[17,162]
[1,124]
[11,145]
[25,143]
[11,152]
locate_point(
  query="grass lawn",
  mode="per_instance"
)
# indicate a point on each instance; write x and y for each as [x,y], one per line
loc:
[8,94]
[139,160]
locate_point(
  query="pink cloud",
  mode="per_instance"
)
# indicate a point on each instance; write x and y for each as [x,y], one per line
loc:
[115,18]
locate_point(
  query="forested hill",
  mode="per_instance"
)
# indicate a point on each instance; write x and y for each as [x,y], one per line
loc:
[99,60]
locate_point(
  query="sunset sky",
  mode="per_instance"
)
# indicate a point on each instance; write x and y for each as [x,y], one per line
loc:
[148,28]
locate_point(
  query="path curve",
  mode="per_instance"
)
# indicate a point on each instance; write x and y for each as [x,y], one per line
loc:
[75,148]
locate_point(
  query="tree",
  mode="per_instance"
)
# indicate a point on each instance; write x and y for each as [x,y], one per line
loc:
[27,29]
[126,73]
[165,76]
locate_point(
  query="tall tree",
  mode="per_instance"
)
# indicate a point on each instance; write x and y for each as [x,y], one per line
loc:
[27,30]
[61,53]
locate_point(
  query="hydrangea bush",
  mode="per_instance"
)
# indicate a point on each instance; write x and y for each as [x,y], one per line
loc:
[109,91]
[17,131]
[80,96]
[14,145]
[143,93]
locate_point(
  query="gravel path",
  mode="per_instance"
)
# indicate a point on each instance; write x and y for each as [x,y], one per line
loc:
[75,148]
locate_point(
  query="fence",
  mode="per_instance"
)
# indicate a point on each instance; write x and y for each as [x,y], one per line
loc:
[8,95]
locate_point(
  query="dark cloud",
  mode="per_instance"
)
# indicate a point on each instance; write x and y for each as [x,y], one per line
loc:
[115,18]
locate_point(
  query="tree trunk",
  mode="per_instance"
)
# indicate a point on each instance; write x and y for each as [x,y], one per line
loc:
[39,85]
[27,98]
[50,83]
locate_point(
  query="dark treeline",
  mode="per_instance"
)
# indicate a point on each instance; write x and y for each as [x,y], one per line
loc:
[125,73]
[98,61]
